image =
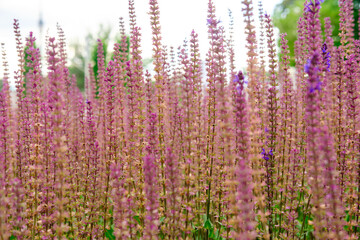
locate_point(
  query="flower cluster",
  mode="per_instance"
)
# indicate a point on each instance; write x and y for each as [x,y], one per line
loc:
[161,155]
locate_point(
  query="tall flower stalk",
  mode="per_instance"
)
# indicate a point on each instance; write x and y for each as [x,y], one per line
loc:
[244,223]
[151,187]
[314,164]
[160,92]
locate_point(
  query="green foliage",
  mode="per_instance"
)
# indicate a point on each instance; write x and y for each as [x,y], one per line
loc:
[356,16]
[208,229]
[26,68]
[109,234]
[287,13]
[104,36]
[78,63]
[79,60]
[137,219]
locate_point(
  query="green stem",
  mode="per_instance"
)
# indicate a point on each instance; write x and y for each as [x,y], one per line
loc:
[304,216]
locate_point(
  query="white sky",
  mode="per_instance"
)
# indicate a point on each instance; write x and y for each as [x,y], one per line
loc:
[79,17]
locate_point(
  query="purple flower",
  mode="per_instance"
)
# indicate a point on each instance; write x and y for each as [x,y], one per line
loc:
[265,154]
[312,6]
[128,68]
[246,79]
[263,151]
[236,78]
[307,66]
[211,21]
[239,81]
[324,48]
[311,67]
[238,89]
[326,56]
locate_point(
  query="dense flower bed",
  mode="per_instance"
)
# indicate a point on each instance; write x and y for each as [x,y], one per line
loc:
[139,155]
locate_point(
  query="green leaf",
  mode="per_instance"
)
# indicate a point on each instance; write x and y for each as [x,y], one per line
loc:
[212,234]
[347,218]
[137,218]
[109,234]
[162,235]
[138,234]
[162,219]
[217,235]
[208,225]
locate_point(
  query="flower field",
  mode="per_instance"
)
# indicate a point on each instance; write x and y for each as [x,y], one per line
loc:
[194,149]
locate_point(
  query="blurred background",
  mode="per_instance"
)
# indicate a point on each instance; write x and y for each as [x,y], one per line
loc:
[85,21]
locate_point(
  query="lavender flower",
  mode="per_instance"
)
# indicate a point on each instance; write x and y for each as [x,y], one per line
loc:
[326,56]
[151,188]
[244,222]
[272,158]
[312,69]
[313,4]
